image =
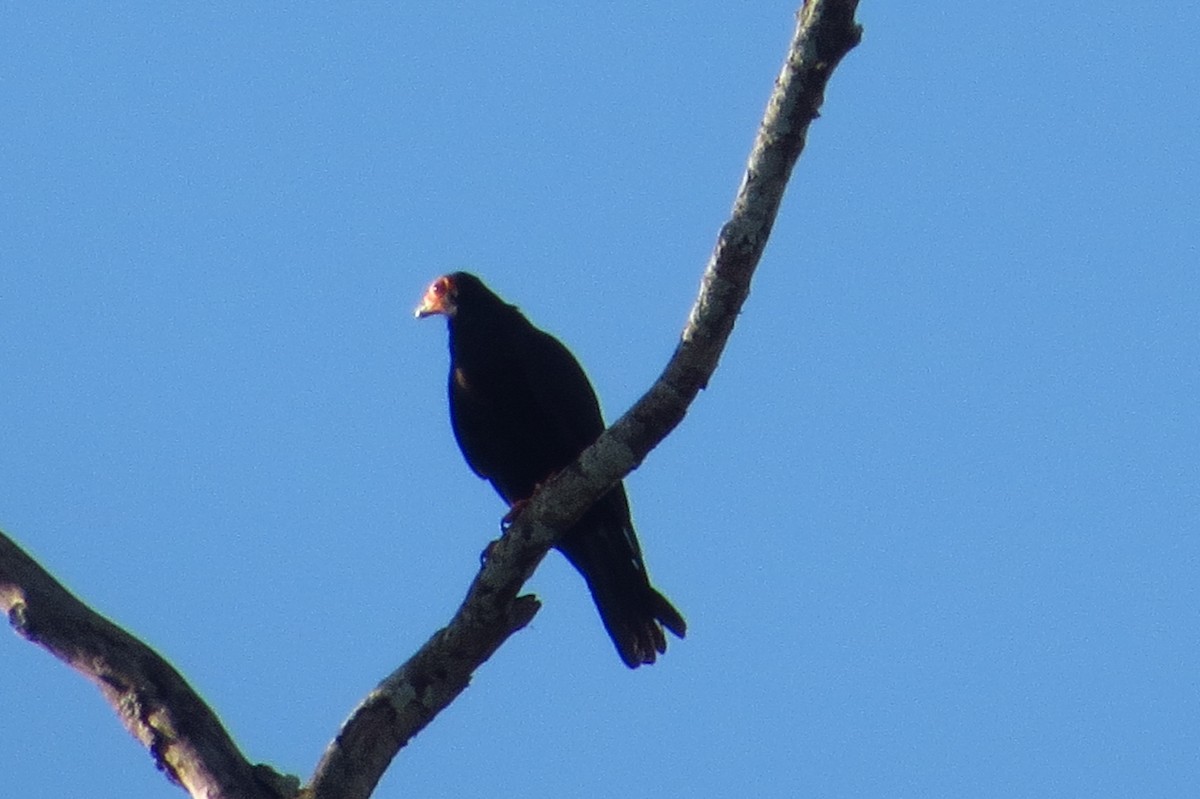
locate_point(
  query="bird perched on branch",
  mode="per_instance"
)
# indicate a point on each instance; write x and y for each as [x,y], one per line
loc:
[522,409]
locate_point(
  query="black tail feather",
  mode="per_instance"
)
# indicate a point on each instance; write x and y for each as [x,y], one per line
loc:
[633,612]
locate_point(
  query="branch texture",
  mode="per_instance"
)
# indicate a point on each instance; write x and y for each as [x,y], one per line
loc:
[183,734]
[416,692]
[153,701]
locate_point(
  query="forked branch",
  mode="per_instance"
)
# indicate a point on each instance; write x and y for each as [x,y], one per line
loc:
[183,734]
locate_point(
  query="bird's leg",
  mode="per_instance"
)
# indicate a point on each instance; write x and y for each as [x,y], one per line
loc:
[515,510]
[518,507]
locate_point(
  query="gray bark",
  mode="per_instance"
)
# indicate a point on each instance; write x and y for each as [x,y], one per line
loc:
[183,734]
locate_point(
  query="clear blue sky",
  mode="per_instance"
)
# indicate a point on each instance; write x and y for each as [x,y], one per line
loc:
[934,524]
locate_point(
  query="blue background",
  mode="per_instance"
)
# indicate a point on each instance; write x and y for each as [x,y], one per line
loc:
[933,525]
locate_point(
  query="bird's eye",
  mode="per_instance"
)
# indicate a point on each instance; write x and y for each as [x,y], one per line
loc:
[442,287]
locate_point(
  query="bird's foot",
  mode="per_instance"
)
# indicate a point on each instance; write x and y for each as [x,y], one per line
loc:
[513,512]
[518,507]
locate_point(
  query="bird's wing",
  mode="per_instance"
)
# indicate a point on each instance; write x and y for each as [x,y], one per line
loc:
[562,392]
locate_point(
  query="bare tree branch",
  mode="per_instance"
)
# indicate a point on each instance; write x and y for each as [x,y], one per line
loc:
[182,733]
[153,701]
[416,692]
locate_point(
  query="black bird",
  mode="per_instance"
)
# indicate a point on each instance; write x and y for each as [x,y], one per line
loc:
[522,409]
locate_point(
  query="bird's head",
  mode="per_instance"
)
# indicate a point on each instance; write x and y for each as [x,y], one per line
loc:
[440,298]
[445,294]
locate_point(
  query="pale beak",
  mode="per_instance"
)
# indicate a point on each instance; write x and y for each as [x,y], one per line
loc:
[432,303]
[423,310]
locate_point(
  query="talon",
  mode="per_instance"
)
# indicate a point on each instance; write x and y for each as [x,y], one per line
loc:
[519,506]
[513,512]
